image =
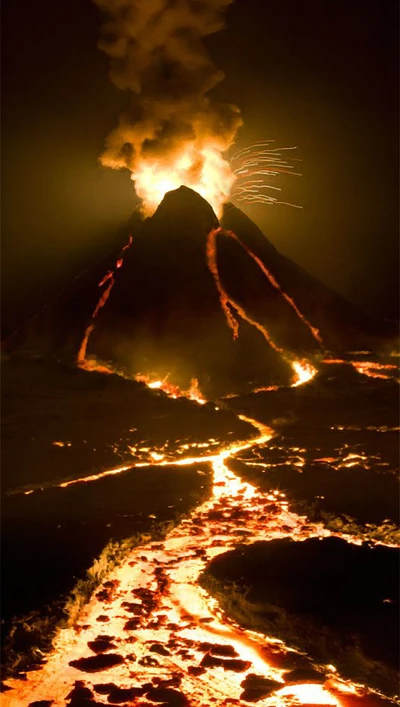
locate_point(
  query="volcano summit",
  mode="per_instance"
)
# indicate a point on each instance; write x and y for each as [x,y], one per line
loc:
[188,297]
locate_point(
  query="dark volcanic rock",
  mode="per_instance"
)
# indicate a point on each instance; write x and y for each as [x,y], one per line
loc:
[158,648]
[256,687]
[334,600]
[304,675]
[235,664]
[101,645]
[96,663]
[226,651]
[168,696]
[81,696]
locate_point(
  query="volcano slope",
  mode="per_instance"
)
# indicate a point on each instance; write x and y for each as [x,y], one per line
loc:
[186,297]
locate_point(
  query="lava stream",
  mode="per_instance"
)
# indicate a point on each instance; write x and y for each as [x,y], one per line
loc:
[303,370]
[372,369]
[165,630]
[314,331]
[81,360]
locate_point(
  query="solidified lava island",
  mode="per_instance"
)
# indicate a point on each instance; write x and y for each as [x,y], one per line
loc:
[199,485]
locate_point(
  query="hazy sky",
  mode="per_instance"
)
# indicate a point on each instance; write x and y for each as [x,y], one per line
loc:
[319,74]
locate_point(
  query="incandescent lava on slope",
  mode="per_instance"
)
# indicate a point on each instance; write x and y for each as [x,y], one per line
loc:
[172,313]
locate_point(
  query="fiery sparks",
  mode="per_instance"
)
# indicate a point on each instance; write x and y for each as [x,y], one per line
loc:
[256,169]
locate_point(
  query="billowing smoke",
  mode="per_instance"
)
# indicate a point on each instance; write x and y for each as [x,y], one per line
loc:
[173,131]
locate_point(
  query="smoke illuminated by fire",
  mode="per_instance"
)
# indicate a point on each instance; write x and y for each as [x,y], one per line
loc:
[173,132]
[202,168]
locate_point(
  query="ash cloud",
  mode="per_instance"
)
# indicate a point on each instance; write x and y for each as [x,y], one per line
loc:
[157,53]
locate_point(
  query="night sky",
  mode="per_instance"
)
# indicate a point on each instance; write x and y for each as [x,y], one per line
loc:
[319,74]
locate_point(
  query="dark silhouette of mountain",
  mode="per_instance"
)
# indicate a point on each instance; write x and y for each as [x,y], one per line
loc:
[192,298]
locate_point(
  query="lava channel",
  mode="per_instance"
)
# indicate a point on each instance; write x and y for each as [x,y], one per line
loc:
[166,635]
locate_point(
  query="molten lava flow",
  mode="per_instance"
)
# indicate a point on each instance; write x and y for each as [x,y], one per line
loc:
[211,253]
[193,393]
[303,370]
[315,332]
[372,369]
[164,630]
[82,361]
[228,302]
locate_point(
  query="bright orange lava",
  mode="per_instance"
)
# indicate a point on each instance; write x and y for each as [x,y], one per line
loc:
[200,166]
[163,625]
[193,393]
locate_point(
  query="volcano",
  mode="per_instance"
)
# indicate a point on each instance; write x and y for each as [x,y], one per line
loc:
[185,297]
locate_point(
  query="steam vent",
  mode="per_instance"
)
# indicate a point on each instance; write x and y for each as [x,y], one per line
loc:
[186,297]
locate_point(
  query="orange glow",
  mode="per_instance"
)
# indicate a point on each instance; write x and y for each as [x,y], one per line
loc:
[309,694]
[370,369]
[193,393]
[199,166]
[304,372]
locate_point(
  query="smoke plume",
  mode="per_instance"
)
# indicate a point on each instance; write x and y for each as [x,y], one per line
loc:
[157,53]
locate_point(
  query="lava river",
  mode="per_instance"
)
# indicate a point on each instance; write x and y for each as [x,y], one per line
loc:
[151,634]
